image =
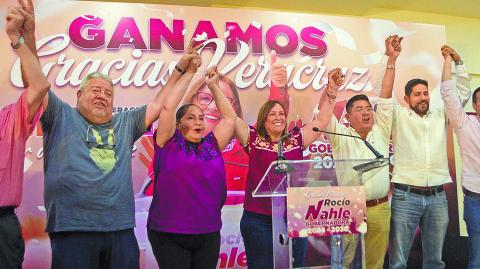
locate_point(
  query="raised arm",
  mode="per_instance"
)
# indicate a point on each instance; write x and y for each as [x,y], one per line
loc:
[28,32]
[392,51]
[224,129]
[278,85]
[154,108]
[462,84]
[241,131]
[384,112]
[39,85]
[326,105]
[166,120]
[453,107]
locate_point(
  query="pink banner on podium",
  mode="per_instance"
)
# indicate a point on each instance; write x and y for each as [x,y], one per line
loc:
[326,211]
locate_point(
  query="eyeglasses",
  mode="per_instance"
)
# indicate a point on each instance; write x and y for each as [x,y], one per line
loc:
[205,98]
[362,110]
[95,138]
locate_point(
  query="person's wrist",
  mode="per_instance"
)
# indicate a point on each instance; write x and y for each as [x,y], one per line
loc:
[459,62]
[28,35]
[190,72]
[392,59]
[17,41]
[14,37]
[180,70]
[331,95]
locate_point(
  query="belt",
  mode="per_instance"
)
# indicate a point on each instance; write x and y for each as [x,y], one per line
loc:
[426,192]
[375,202]
[6,210]
[471,193]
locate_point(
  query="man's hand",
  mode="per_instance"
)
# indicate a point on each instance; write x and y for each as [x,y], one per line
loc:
[15,21]
[28,27]
[393,46]
[335,81]
[190,61]
[448,58]
[446,50]
[278,72]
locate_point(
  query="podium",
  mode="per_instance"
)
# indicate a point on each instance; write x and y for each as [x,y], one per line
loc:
[320,206]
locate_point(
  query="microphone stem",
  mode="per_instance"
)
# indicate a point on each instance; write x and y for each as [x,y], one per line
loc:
[369,146]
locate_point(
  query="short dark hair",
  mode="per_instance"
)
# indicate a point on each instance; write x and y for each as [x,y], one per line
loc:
[355,98]
[412,83]
[181,111]
[474,95]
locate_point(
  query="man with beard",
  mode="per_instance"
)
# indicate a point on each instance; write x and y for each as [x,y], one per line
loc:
[420,171]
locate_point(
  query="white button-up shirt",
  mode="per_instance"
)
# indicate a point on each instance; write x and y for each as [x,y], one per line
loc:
[420,143]
[377,181]
[467,129]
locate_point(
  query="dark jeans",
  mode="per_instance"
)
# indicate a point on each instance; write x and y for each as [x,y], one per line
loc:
[12,246]
[95,250]
[185,251]
[257,236]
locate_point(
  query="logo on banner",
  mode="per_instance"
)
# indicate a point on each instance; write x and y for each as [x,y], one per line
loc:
[326,211]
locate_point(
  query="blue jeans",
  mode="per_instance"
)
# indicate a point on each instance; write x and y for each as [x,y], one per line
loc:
[410,210]
[471,215]
[257,236]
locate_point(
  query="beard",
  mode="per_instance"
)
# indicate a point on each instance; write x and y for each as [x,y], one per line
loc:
[419,110]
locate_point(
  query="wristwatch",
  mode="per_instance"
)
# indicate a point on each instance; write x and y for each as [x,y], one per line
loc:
[180,70]
[20,42]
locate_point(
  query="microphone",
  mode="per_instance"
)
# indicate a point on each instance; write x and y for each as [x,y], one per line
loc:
[280,142]
[369,146]
[362,168]
[295,129]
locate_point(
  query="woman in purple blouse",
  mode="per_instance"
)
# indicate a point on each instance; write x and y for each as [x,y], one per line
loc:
[261,143]
[185,215]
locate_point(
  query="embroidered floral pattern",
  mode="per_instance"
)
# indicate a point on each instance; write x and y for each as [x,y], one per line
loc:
[289,144]
[205,150]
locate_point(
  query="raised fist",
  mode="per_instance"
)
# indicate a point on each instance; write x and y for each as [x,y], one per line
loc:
[393,45]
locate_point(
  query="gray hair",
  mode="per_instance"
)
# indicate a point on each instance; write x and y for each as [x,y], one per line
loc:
[87,78]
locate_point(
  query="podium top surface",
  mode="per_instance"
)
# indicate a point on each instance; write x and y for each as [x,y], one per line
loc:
[284,174]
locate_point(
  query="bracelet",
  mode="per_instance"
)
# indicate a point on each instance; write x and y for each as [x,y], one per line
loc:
[390,66]
[459,63]
[180,70]
[17,45]
[331,96]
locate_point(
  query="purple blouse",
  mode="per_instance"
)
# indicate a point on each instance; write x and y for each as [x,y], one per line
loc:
[190,186]
[262,153]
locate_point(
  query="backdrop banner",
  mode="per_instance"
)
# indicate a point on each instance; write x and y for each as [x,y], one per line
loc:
[138,45]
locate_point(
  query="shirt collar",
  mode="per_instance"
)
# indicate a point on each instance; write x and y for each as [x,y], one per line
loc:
[411,113]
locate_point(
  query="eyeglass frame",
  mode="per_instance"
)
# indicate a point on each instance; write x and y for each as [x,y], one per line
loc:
[367,109]
[230,99]
[108,146]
